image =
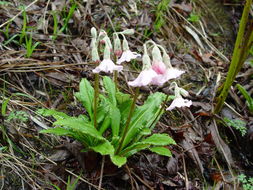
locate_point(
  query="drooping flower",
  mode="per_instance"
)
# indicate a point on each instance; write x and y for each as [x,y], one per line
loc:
[117,45]
[145,77]
[127,55]
[147,74]
[94,49]
[163,75]
[164,71]
[160,73]
[159,67]
[179,102]
[107,64]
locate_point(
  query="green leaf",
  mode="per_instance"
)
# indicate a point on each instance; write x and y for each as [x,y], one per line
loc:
[118,160]
[124,103]
[110,89]
[115,141]
[247,96]
[145,132]
[155,140]
[121,97]
[134,148]
[106,123]
[161,151]
[124,110]
[57,131]
[86,96]
[104,148]
[103,108]
[50,112]
[80,126]
[144,116]
[115,120]
[159,140]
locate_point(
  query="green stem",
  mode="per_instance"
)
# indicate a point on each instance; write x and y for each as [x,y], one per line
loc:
[246,48]
[115,79]
[115,74]
[125,130]
[96,93]
[238,54]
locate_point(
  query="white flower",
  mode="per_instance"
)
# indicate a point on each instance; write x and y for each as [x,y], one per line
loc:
[107,66]
[179,102]
[173,73]
[164,74]
[145,77]
[128,56]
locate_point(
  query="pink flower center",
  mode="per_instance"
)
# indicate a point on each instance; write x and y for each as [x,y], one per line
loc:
[159,67]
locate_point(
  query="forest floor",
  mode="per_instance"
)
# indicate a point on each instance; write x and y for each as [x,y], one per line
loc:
[45,52]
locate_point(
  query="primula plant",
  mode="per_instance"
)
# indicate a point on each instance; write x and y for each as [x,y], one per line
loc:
[114,125]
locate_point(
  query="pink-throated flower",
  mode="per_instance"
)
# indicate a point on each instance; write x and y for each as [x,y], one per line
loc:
[158,73]
[145,77]
[161,65]
[147,74]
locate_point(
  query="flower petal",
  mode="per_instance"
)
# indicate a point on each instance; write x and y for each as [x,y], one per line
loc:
[173,73]
[159,67]
[145,77]
[128,56]
[107,66]
[179,102]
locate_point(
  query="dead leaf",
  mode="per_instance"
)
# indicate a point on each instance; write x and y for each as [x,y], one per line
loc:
[186,7]
[220,144]
[188,145]
[59,155]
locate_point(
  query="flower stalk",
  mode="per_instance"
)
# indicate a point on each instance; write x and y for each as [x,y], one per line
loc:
[96,94]
[136,94]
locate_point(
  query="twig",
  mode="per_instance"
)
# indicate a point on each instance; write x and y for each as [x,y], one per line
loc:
[185,174]
[130,176]
[144,182]
[44,17]
[101,173]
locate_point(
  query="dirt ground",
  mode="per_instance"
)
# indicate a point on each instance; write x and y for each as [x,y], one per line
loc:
[199,37]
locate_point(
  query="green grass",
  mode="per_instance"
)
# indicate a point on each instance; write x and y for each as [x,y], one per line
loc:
[161,9]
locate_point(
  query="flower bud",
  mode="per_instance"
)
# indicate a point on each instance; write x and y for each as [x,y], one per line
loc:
[128,32]
[94,51]
[166,60]
[125,45]
[117,45]
[107,41]
[146,61]
[101,36]
[107,51]
[93,32]
[183,92]
[156,54]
